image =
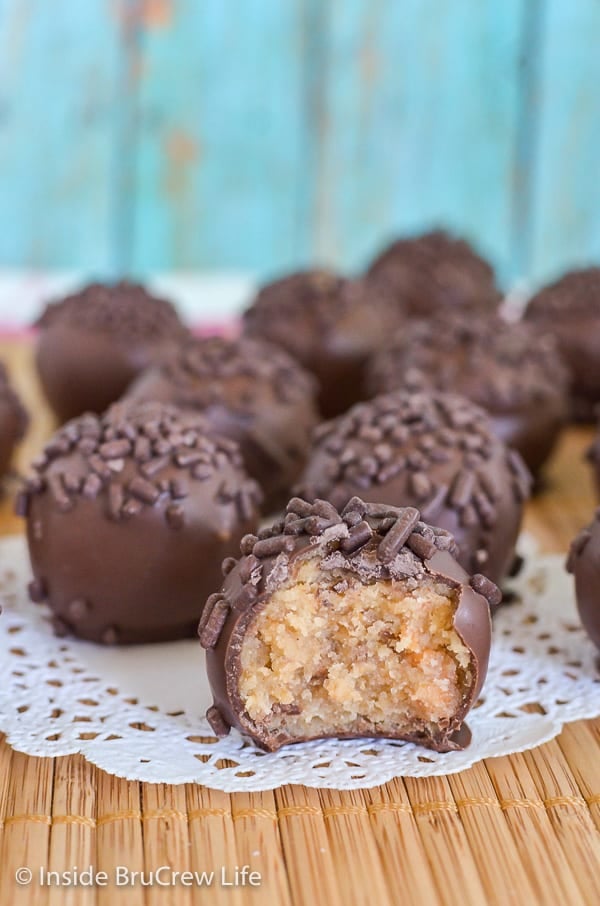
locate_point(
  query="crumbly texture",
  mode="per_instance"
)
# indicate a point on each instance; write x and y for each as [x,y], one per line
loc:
[358,622]
[124,309]
[330,656]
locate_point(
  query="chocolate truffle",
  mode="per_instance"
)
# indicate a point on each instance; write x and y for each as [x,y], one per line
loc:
[128,518]
[593,456]
[250,391]
[359,623]
[436,270]
[91,345]
[510,370]
[13,421]
[434,451]
[570,309]
[584,563]
[330,324]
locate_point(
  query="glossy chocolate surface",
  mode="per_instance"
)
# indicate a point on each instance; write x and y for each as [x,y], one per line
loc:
[584,563]
[510,370]
[569,309]
[13,420]
[330,324]
[250,391]
[436,271]
[128,518]
[433,451]
[371,542]
[92,344]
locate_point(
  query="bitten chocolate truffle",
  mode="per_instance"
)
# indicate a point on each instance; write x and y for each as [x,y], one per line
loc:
[584,563]
[128,518]
[359,623]
[330,324]
[434,451]
[92,344]
[13,420]
[436,270]
[510,370]
[250,391]
[570,310]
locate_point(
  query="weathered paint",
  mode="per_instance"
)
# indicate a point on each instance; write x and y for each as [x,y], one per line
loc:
[58,103]
[144,135]
[566,172]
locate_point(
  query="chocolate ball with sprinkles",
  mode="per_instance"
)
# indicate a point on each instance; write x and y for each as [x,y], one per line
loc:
[359,623]
[250,391]
[92,344]
[436,270]
[128,518]
[584,563]
[435,451]
[569,309]
[510,370]
[13,420]
[330,324]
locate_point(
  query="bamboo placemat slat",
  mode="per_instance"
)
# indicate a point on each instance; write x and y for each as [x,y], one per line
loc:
[119,836]
[497,856]
[517,830]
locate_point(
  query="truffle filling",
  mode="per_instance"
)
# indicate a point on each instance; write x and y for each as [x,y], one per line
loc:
[329,655]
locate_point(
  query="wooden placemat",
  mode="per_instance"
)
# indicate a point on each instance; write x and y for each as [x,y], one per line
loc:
[523,829]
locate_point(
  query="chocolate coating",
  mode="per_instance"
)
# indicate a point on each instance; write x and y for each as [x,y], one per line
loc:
[434,451]
[436,270]
[250,391]
[370,542]
[329,324]
[510,370]
[570,310]
[584,563]
[13,420]
[593,456]
[128,517]
[92,344]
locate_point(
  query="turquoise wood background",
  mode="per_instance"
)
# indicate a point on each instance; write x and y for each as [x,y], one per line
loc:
[258,135]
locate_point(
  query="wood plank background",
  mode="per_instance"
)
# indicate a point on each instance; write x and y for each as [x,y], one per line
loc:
[144,135]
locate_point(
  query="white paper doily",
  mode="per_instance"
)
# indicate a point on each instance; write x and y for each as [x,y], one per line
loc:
[138,712]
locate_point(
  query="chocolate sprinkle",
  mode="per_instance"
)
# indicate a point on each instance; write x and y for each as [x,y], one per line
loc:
[484,587]
[434,451]
[330,324]
[126,310]
[138,582]
[252,392]
[217,722]
[386,543]
[433,271]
